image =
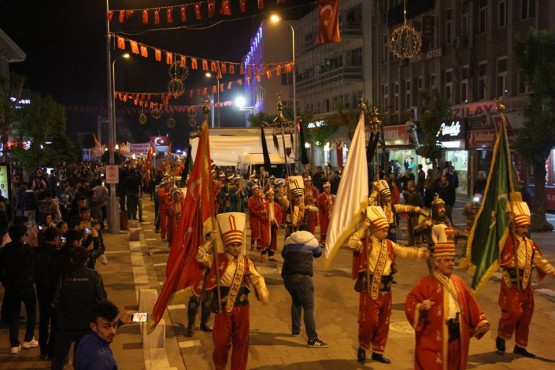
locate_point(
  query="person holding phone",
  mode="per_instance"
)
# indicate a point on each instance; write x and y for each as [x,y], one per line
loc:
[93,351]
[92,236]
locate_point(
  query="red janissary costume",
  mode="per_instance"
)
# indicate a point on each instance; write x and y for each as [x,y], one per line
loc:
[164,198]
[257,215]
[311,195]
[516,298]
[325,205]
[238,275]
[269,229]
[374,259]
[434,350]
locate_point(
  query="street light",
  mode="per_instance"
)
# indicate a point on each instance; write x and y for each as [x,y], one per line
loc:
[274,18]
[209,75]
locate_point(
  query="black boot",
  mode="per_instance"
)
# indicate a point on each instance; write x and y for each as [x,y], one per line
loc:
[522,351]
[500,345]
[190,329]
[380,358]
[204,316]
[361,356]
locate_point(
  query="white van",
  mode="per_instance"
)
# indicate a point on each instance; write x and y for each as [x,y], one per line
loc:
[250,163]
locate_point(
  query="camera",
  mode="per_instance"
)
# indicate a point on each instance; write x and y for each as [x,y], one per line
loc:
[40,227]
[87,230]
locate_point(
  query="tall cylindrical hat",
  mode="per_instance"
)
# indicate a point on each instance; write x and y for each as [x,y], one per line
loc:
[296,185]
[232,226]
[377,217]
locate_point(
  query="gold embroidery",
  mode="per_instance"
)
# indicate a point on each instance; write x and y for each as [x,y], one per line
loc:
[235,283]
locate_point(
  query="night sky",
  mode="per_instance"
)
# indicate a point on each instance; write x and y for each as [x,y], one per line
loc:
[66,55]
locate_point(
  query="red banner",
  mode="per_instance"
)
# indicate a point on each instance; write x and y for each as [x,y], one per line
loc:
[328,21]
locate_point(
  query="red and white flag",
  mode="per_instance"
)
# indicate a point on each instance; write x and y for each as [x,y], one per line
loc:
[199,219]
[328,21]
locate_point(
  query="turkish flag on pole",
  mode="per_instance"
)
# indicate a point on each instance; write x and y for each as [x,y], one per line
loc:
[328,23]
[198,220]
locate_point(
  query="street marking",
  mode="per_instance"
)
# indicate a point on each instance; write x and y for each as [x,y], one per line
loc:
[547,292]
[160,264]
[176,307]
[150,239]
[115,252]
[401,327]
[189,343]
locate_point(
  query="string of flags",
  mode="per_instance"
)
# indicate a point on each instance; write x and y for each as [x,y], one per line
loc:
[181,12]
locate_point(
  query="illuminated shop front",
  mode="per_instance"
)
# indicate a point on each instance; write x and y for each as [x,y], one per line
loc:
[451,135]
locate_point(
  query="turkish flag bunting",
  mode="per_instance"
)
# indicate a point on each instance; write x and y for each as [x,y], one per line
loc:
[231,69]
[278,70]
[183,13]
[198,15]
[183,61]
[121,42]
[204,65]
[328,21]
[243,4]
[157,16]
[211,8]
[158,55]
[144,51]
[134,47]
[110,15]
[269,74]
[183,269]
[145,16]
[242,69]
[121,16]
[281,1]
[169,14]
[258,78]
[169,57]
[226,8]
[223,68]
[260,4]
[213,66]
[128,13]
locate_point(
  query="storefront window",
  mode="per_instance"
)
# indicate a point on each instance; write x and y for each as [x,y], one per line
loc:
[459,160]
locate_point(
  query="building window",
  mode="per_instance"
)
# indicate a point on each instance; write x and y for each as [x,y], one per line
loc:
[502,76]
[448,26]
[465,19]
[523,87]
[408,94]
[483,16]
[502,13]
[528,9]
[385,90]
[449,84]
[385,50]
[396,98]
[465,85]
[432,81]
[357,57]
[482,77]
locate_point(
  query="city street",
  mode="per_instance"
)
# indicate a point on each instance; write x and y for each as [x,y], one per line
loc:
[135,265]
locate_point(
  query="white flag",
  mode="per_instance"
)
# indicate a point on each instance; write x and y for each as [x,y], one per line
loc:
[352,195]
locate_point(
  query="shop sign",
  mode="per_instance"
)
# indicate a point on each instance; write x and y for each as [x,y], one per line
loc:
[480,138]
[393,135]
[453,144]
[451,130]
[139,148]
[474,109]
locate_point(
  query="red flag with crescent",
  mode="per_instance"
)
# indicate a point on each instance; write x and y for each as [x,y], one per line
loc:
[183,269]
[328,21]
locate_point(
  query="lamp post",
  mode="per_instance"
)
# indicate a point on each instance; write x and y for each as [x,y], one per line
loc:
[274,18]
[209,75]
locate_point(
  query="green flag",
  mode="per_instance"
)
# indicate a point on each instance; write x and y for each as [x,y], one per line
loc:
[491,226]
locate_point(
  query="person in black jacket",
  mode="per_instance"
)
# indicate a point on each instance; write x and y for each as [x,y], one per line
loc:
[447,193]
[78,291]
[45,291]
[17,272]
[299,250]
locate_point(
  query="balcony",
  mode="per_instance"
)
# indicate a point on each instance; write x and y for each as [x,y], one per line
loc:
[337,75]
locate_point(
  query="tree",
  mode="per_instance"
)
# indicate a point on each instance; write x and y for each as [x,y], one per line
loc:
[535,56]
[10,94]
[436,109]
[41,123]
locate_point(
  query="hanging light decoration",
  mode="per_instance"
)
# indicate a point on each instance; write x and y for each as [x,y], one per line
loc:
[178,74]
[405,42]
[170,122]
[142,117]
[156,113]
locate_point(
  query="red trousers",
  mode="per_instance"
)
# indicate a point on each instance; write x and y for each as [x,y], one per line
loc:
[373,321]
[517,308]
[163,215]
[231,331]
